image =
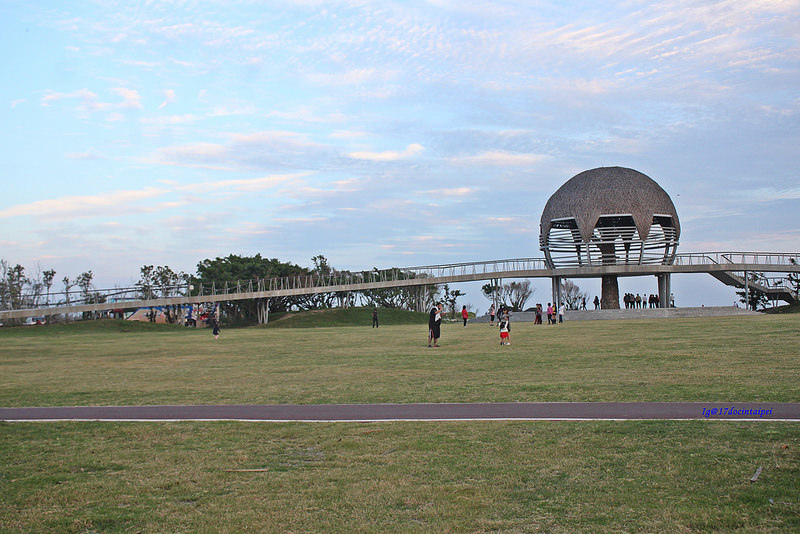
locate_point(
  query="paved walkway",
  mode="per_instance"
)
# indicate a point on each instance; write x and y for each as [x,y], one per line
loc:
[522,411]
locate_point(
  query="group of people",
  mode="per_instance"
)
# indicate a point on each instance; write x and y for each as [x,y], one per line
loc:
[638,301]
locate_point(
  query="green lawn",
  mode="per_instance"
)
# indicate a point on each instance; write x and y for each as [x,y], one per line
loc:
[722,359]
[674,476]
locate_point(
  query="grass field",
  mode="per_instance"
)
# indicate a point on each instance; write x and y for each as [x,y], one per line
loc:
[399,477]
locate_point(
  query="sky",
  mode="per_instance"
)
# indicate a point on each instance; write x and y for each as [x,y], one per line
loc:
[386,133]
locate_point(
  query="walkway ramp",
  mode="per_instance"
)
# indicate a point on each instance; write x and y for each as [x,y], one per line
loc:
[774,292]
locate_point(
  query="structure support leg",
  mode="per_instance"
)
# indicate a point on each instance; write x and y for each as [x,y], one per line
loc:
[664,290]
[746,291]
[556,280]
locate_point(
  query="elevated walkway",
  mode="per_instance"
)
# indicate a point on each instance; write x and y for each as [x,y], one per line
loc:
[715,263]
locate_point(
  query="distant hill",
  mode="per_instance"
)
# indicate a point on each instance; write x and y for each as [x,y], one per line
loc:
[361,316]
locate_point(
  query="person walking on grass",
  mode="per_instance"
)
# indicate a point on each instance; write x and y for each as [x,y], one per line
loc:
[215,331]
[434,325]
[504,329]
[491,315]
[375,318]
[464,315]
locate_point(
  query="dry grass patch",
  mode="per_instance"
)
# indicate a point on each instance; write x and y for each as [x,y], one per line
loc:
[400,477]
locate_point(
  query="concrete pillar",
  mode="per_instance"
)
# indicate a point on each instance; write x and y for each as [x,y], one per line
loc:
[556,289]
[746,291]
[609,299]
[664,290]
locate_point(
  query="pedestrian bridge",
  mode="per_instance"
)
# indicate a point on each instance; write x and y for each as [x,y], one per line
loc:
[729,267]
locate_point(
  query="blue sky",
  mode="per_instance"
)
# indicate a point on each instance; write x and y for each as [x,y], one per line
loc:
[386,133]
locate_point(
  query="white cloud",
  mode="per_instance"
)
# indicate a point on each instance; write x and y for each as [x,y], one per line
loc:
[245,184]
[90,101]
[130,98]
[450,192]
[308,115]
[170,120]
[89,98]
[770,194]
[88,155]
[113,203]
[169,98]
[499,158]
[192,151]
[389,155]
[348,134]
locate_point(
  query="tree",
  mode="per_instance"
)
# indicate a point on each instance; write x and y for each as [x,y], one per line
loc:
[518,293]
[450,297]
[322,270]
[5,292]
[514,294]
[12,285]
[47,279]
[84,282]
[757,298]
[571,295]
[793,280]
[493,292]
[146,282]
[162,282]
[234,268]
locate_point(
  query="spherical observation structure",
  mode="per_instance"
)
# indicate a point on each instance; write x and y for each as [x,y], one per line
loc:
[609,216]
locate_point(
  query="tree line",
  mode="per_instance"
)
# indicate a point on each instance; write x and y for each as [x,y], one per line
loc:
[20,288]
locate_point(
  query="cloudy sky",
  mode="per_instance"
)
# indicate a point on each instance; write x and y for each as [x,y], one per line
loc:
[385,133]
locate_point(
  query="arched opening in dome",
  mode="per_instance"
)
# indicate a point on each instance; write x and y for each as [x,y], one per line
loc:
[615,240]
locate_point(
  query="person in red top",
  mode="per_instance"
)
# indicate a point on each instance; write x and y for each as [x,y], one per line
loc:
[464,315]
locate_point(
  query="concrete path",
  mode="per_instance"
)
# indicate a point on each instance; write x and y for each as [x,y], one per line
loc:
[535,411]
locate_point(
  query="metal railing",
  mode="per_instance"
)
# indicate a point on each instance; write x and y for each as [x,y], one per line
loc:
[745,258]
[342,280]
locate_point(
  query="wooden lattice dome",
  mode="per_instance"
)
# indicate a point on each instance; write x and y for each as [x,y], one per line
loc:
[609,216]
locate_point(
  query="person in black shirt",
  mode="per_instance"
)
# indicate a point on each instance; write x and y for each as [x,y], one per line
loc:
[435,325]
